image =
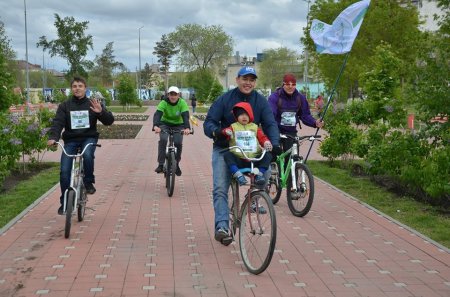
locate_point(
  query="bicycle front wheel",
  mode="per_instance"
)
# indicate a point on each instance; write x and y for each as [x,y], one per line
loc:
[257,232]
[170,177]
[82,203]
[274,187]
[233,195]
[69,210]
[300,200]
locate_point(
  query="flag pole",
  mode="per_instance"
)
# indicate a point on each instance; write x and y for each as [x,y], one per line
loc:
[330,99]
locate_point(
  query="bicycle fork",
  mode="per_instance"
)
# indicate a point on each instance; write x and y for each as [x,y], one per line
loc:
[72,187]
[296,160]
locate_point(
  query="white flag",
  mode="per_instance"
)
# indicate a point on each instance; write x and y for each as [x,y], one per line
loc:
[339,37]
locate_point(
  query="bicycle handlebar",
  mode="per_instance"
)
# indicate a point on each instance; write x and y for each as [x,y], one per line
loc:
[245,155]
[76,155]
[172,131]
[299,138]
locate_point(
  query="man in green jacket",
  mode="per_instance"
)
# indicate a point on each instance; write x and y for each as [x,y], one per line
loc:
[172,112]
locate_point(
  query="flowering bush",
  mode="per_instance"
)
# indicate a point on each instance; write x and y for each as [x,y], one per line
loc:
[374,129]
[23,136]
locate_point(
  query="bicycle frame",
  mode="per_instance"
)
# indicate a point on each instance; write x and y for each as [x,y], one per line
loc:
[76,175]
[294,158]
[170,163]
[256,238]
[170,146]
[251,188]
[290,167]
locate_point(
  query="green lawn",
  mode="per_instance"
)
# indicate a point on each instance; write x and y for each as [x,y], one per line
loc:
[25,193]
[428,220]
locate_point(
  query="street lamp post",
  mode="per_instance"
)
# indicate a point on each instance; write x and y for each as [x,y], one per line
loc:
[305,73]
[139,76]
[26,55]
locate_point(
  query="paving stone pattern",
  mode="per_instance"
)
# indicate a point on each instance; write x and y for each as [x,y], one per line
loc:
[136,241]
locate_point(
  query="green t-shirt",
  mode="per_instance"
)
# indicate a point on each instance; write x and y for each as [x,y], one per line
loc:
[172,113]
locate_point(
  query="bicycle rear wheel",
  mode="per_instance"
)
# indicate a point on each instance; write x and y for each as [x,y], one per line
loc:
[69,210]
[82,203]
[257,232]
[170,177]
[300,201]
[274,185]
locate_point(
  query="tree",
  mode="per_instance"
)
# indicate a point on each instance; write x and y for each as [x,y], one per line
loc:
[5,44]
[275,64]
[202,47]
[149,77]
[72,44]
[126,92]
[165,50]
[428,90]
[6,76]
[6,84]
[403,35]
[206,86]
[105,64]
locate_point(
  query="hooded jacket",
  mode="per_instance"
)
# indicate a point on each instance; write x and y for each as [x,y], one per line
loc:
[220,116]
[258,132]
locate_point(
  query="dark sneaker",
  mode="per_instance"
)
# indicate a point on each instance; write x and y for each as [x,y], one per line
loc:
[178,171]
[90,189]
[261,209]
[260,180]
[222,235]
[159,169]
[240,178]
[61,210]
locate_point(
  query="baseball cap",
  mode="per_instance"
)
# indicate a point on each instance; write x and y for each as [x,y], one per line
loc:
[173,89]
[246,70]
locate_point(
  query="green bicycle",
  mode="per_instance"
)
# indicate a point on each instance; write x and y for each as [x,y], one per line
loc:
[294,176]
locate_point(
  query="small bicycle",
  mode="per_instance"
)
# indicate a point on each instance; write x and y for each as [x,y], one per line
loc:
[255,218]
[170,163]
[296,178]
[75,195]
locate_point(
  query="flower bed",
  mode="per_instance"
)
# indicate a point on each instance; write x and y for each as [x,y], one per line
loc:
[130,117]
[125,131]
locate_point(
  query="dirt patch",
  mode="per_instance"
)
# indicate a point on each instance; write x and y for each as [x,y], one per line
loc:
[126,131]
[17,175]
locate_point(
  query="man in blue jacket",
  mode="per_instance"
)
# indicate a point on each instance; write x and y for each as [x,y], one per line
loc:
[219,117]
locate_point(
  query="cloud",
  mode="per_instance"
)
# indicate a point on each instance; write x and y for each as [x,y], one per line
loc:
[254,25]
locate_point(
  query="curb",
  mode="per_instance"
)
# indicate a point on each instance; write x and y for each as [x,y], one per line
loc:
[26,210]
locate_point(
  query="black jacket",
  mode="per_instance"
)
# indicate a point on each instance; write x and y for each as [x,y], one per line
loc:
[62,120]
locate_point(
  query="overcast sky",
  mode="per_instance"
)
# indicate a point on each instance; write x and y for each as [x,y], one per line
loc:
[254,25]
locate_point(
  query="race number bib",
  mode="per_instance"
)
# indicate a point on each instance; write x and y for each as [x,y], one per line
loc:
[246,140]
[288,118]
[79,119]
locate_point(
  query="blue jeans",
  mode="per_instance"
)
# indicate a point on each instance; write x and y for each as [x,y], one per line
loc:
[221,184]
[66,163]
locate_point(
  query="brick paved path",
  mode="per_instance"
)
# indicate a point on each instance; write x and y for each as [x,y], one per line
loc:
[138,242]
